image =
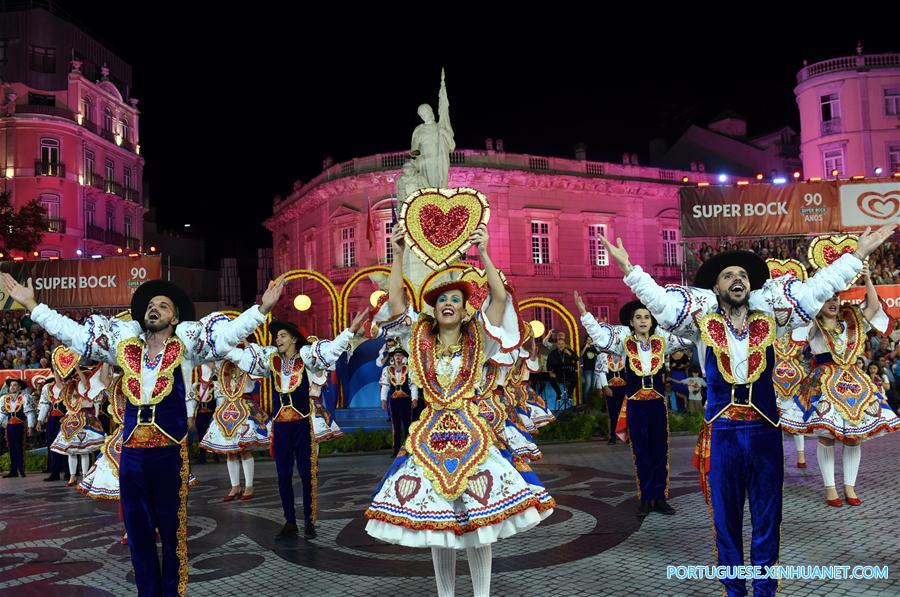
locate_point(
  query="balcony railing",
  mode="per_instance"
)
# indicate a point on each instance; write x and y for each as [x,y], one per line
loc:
[57,225]
[95,233]
[94,180]
[669,273]
[132,195]
[91,126]
[601,271]
[132,243]
[108,135]
[42,168]
[544,270]
[831,127]
[45,111]
[113,188]
[849,63]
[342,273]
[115,238]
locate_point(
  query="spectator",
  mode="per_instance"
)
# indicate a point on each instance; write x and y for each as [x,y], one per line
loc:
[589,357]
[562,365]
[695,385]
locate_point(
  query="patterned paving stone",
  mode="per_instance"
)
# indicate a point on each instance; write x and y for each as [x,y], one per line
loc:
[53,541]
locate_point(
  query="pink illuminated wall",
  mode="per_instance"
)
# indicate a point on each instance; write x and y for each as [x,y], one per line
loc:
[850,115]
[545,215]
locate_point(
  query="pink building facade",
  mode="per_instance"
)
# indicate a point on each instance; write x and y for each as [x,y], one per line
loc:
[546,217]
[850,116]
[71,142]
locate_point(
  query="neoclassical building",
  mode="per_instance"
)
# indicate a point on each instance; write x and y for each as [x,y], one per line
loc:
[546,217]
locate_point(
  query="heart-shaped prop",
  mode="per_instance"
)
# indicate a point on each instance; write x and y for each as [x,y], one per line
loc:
[786,267]
[64,361]
[439,221]
[825,250]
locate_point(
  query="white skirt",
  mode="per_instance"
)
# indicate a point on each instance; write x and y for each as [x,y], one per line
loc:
[252,432]
[76,436]
[498,503]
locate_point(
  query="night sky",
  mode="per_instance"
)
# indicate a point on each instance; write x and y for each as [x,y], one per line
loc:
[236,106]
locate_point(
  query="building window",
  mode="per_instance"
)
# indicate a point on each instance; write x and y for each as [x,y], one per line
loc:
[88,163]
[831,107]
[50,203]
[309,251]
[89,213]
[545,316]
[128,230]
[602,313]
[834,160]
[107,121]
[50,153]
[126,178]
[110,219]
[670,246]
[540,242]
[892,101]
[348,246]
[87,107]
[43,60]
[110,171]
[47,253]
[894,158]
[596,249]
[388,247]
[124,129]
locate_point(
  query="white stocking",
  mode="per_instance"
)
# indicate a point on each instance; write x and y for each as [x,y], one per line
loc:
[73,464]
[850,458]
[480,569]
[234,471]
[825,455]
[85,463]
[799,442]
[248,465]
[444,560]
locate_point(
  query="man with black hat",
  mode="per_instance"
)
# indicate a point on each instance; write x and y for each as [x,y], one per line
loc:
[291,362]
[157,350]
[17,417]
[402,393]
[734,312]
[644,348]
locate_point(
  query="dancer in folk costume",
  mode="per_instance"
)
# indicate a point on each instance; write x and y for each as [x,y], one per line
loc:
[17,418]
[52,407]
[292,364]
[238,428]
[791,365]
[157,352]
[451,488]
[644,346]
[80,433]
[734,312]
[838,401]
[399,395]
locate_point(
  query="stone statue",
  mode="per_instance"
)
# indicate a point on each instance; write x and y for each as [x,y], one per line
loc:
[410,181]
[432,141]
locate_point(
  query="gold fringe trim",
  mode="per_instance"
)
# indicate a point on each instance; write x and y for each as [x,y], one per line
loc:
[181,550]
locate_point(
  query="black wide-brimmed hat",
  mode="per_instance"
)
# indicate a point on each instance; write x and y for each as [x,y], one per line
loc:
[277,325]
[397,350]
[23,383]
[146,291]
[627,312]
[754,265]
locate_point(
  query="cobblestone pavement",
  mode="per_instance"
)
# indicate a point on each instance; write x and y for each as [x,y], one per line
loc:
[54,541]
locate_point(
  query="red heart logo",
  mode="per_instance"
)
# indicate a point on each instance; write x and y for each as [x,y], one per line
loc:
[878,206]
[441,228]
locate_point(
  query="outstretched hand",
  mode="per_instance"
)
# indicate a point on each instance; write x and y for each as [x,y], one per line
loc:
[869,241]
[271,295]
[24,295]
[618,252]
[579,303]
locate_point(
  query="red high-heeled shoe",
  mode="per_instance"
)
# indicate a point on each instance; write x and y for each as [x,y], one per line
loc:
[853,501]
[231,498]
[801,465]
[836,502]
[244,497]
[124,539]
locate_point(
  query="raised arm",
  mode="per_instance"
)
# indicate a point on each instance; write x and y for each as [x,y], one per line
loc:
[873,311]
[396,288]
[497,290]
[607,338]
[322,354]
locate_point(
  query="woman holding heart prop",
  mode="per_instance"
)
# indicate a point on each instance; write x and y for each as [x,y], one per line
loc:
[450,487]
